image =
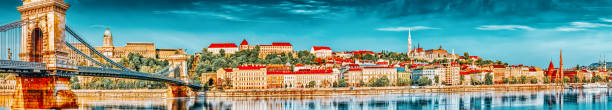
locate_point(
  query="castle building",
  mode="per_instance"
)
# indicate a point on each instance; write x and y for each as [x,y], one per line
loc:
[321,52]
[265,50]
[115,53]
[229,48]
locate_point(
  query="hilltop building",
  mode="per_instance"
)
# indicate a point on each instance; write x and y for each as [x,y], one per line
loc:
[229,48]
[115,53]
[321,52]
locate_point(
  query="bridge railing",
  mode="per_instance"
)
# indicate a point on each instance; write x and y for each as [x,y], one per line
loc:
[23,65]
[108,72]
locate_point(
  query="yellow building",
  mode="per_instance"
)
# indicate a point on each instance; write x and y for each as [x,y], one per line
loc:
[275,81]
[353,77]
[369,73]
[301,79]
[248,77]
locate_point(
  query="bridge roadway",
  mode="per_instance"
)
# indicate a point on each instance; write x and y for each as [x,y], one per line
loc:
[21,67]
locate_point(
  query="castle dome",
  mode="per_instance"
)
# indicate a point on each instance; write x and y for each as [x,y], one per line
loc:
[108,33]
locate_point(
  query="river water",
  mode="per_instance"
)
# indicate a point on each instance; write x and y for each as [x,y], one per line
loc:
[587,99]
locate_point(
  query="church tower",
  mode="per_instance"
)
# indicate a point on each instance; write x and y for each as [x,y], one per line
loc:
[409,42]
[108,38]
[561,66]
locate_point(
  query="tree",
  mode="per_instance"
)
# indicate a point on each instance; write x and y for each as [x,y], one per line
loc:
[461,79]
[576,79]
[596,78]
[437,79]
[546,79]
[506,80]
[404,82]
[342,83]
[424,81]
[488,79]
[466,55]
[222,52]
[74,83]
[523,79]
[311,84]
[534,80]
[566,79]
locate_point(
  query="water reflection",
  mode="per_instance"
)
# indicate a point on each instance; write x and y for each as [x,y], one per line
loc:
[550,99]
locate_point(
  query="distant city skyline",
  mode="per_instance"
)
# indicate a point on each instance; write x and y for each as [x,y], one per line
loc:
[516,32]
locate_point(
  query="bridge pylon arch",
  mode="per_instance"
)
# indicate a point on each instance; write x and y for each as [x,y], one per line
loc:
[179,61]
[42,41]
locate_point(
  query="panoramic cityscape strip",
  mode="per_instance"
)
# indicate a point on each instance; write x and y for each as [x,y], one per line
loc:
[47,64]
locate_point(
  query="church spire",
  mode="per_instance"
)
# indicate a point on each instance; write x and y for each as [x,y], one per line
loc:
[605,65]
[561,66]
[409,41]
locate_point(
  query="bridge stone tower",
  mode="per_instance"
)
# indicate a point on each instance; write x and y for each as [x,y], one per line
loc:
[182,74]
[43,33]
[42,41]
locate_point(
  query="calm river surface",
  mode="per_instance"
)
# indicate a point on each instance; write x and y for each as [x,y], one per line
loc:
[588,99]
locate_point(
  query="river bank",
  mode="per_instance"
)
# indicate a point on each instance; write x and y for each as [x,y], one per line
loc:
[140,93]
[375,90]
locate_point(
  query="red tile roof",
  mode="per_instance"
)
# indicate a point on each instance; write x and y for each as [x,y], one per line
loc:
[228,69]
[320,48]
[299,65]
[302,71]
[250,67]
[281,44]
[382,63]
[499,66]
[362,52]
[222,45]
[474,57]
[379,67]
[355,69]
[244,42]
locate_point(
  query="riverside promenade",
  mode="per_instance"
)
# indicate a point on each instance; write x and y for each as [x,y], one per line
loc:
[375,90]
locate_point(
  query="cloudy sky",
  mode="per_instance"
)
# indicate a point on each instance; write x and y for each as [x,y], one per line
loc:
[527,32]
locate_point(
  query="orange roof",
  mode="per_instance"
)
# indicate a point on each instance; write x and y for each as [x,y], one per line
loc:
[222,45]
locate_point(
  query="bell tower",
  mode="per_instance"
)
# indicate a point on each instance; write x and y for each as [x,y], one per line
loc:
[43,32]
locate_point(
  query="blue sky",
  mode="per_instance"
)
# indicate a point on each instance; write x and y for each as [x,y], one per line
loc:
[527,32]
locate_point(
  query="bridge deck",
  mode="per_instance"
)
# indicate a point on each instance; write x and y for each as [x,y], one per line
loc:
[22,67]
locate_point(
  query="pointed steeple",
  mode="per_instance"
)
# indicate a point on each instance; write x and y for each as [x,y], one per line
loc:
[600,64]
[605,65]
[409,41]
[561,65]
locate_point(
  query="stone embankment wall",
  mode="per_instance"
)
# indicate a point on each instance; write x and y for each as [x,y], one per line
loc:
[374,90]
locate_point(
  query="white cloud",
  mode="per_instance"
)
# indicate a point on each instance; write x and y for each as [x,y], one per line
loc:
[589,25]
[98,26]
[190,12]
[414,28]
[569,29]
[605,19]
[505,27]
